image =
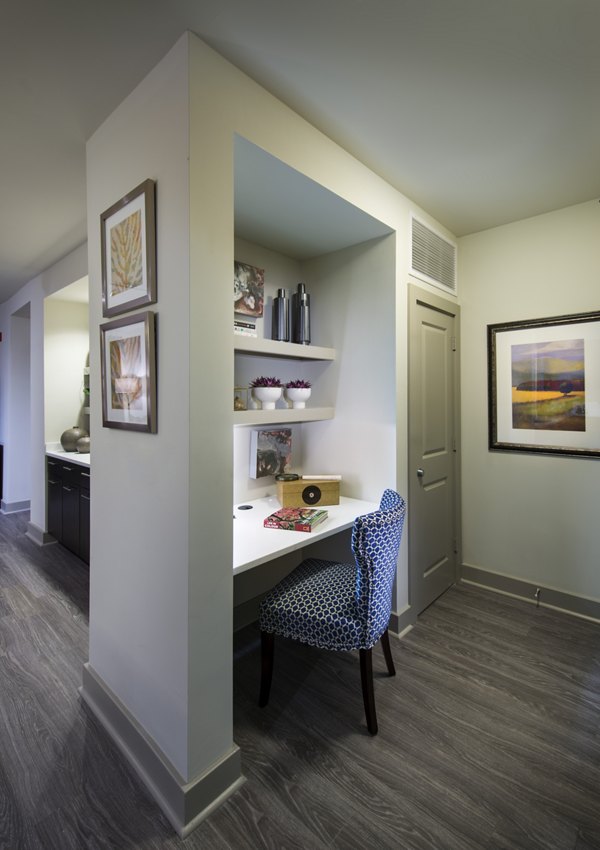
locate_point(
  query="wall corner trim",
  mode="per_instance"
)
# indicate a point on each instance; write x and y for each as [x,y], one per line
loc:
[38,535]
[547,597]
[185,804]
[402,621]
[14,507]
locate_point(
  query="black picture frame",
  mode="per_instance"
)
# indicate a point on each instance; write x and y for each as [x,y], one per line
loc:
[544,385]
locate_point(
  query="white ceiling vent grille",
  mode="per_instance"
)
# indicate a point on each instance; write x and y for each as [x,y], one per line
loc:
[433,258]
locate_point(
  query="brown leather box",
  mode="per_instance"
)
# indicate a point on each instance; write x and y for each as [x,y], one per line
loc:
[298,494]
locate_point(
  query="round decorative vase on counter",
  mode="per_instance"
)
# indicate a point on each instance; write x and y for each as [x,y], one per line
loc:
[83,445]
[68,439]
[268,396]
[298,396]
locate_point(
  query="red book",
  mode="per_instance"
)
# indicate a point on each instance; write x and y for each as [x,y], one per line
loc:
[296,519]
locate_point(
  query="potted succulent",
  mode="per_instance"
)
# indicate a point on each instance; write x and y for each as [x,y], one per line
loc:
[267,390]
[298,392]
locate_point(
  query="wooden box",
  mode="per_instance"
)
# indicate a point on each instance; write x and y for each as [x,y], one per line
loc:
[298,494]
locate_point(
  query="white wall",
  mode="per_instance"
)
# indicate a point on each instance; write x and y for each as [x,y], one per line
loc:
[17,465]
[66,353]
[529,516]
[237,105]
[354,293]
[31,297]
[161,583]
[140,507]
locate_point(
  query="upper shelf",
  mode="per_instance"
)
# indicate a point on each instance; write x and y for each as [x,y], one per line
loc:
[282,415]
[273,348]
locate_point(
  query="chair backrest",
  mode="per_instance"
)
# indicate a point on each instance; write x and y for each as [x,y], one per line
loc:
[375,543]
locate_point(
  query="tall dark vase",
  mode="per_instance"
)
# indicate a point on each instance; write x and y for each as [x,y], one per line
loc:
[281,317]
[301,316]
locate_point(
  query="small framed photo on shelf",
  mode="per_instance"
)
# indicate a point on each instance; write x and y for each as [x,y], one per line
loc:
[544,385]
[240,398]
[128,246]
[128,362]
[248,289]
[270,452]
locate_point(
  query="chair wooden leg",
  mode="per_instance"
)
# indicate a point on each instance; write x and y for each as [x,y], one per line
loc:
[387,652]
[267,646]
[366,677]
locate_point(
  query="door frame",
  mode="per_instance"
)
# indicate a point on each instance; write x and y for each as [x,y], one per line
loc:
[418,296]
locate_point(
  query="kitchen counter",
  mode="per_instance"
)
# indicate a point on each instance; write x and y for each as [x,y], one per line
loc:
[71,457]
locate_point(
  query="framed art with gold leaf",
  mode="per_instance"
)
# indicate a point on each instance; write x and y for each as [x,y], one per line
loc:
[128,365]
[128,246]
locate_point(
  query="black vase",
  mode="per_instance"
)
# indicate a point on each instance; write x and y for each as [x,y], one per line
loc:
[281,317]
[301,316]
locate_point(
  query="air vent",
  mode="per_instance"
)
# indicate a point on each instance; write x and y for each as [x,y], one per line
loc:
[433,258]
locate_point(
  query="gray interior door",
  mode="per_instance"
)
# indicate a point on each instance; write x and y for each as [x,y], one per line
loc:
[433,444]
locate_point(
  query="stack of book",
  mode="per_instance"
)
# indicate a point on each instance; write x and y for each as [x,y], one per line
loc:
[244,328]
[296,519]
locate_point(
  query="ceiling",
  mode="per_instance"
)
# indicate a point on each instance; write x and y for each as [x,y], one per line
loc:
[481,111]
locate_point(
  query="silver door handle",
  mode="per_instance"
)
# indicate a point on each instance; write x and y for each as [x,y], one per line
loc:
[420,473]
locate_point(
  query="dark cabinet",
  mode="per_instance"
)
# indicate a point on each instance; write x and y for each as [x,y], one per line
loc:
[68,501]
[84,517]
[54,500]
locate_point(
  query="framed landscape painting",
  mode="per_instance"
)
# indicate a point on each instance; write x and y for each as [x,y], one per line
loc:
[544,385]
[128,246]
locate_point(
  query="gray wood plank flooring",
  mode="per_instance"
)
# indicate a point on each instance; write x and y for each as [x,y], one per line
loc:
[489,733]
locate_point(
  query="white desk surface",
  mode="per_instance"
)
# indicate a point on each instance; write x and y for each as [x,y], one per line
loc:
[253,544]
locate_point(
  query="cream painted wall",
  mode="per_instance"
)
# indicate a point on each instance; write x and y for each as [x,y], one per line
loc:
[139,643]
[17,465]
[161,523]
[280,271]
[238,105]
[31,297]
[532,517]
[354,297]
[66,353]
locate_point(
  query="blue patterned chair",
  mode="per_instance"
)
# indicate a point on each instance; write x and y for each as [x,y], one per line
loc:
[338,606]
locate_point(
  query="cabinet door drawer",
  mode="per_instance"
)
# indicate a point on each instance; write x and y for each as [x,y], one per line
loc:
[54,468]
[70,517]
[71,473]
[84,479]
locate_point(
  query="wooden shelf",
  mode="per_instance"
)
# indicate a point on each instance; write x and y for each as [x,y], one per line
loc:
[282,416]
[273,348]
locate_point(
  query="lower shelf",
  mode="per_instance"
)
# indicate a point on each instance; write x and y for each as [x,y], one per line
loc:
[272,417]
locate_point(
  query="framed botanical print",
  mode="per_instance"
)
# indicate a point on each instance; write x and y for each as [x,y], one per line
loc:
[128,245]
[128,364]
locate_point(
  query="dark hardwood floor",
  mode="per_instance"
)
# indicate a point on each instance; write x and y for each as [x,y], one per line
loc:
[489,733]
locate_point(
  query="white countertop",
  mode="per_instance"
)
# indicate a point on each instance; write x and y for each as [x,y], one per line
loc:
[72,457]
[253,544]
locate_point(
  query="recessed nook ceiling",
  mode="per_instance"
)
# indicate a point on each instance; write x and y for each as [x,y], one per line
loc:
[281,209]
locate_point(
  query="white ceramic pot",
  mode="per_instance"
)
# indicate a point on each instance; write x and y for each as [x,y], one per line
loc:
[268,396]
[298,396]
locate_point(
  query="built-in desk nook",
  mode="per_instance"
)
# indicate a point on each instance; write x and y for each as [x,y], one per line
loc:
[254,545]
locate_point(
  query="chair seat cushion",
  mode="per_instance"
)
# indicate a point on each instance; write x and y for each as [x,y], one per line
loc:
[316,604]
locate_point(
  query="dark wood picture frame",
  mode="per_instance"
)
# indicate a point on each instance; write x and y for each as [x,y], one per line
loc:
[128,251]
[128,368]
[544,385]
